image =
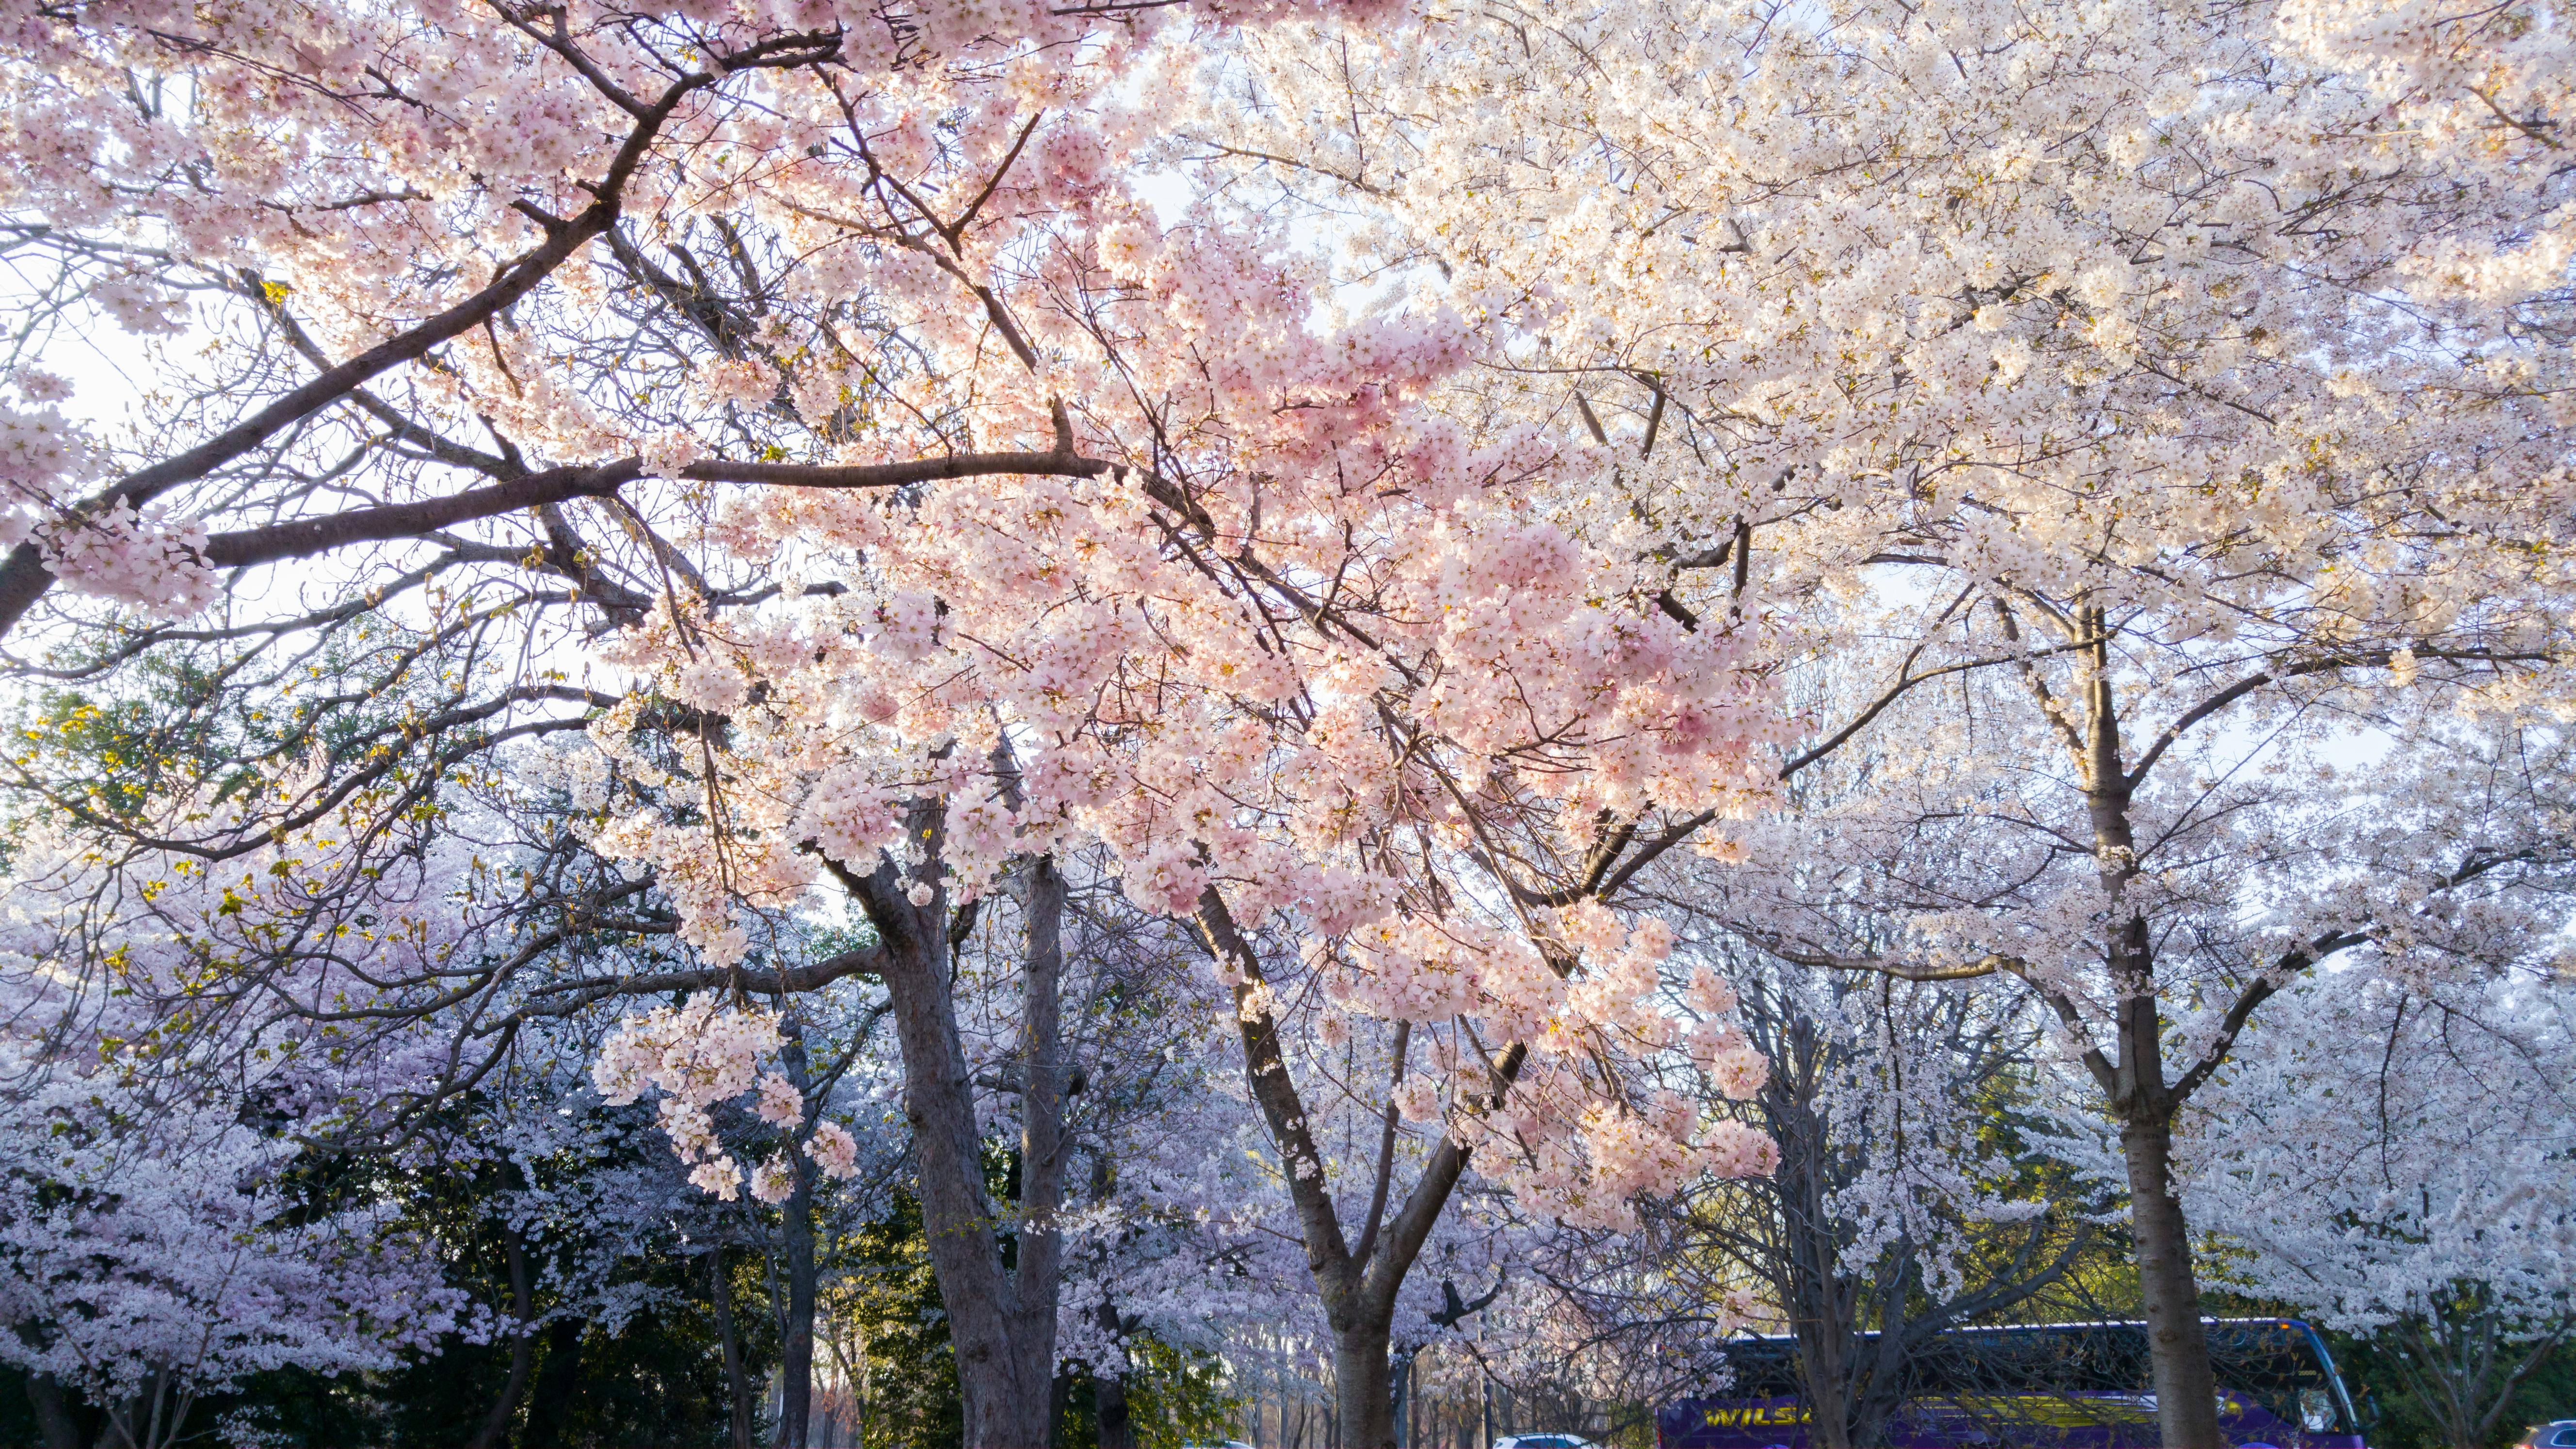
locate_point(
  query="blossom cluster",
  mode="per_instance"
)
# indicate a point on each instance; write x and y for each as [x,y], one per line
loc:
[701,1055]
[1564,1132]
[1271,619]
[141,559]
[145,559]
[2368,1187]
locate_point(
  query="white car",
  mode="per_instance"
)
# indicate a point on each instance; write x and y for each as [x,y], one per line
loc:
[1543,1441]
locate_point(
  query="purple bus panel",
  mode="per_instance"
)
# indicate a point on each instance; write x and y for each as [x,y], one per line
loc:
[2016,1421]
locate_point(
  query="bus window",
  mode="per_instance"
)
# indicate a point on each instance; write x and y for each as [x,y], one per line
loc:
[2283,1367]
[1764,1368]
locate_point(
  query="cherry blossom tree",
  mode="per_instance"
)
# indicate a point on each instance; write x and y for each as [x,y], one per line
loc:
[2393,1156]
[2268,861]
[2088,347]
[162,1234]
[1200,1245]
[1229,600]
[426,175]
[386,996]
[1220,662]
[813,407]
[1908,1201]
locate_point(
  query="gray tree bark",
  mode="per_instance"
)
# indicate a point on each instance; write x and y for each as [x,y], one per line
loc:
[1039,1245]
[737,1384]
[796,1337]
[2139,1096]
[1001,1319]
[2169,1297]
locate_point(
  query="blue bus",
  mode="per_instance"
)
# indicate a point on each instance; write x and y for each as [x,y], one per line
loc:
[2041,1386]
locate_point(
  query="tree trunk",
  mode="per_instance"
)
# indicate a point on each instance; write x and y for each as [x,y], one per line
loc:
[737,1385]
[2140,1097]
[1001,1323]
[1039,1246]
[1401,1390]
[1000,1412]
[796,1336]
[522,1346]
[556,1397]
[1825,1366]
[2178,1347]
[1109,1397]
[54,1412]
[1818,1297]
[1364,1407]
[1357,1282]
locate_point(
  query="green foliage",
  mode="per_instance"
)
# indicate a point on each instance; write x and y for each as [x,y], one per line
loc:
[889,1304]
[2371,1375]
[177,720]
[1177,1396]
[2549,1393]
[658,1381]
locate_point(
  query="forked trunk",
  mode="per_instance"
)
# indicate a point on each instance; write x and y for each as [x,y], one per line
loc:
[1002,1382]
[2178,1348]
[1001,1321]
[1358,1282]
[1826,1365]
